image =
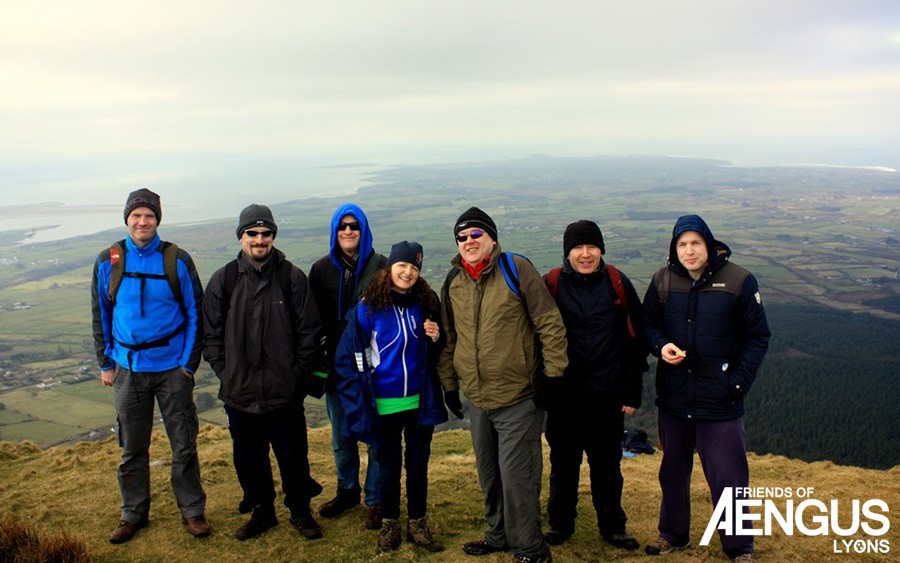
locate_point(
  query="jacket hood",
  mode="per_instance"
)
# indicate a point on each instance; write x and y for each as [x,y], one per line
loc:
[365,236]
[719,252]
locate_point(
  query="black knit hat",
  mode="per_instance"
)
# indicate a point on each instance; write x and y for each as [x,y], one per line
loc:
[405,251]
[582,232]
[474,217]
[256,216]
[143,198]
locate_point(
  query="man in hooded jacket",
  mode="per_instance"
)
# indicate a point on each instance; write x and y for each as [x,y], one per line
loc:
[337,280]
[703,317]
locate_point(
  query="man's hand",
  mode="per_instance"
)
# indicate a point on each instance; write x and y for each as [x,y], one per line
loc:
[454,404]
[672,354]
[107,376]
[628,410]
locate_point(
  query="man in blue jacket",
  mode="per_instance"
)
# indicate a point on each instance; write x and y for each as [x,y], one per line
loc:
[147,331]
[704,319]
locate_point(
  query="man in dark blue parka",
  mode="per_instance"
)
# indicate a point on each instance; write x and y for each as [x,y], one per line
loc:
[704,319]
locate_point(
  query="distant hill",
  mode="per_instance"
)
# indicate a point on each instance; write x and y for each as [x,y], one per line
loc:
[75,488]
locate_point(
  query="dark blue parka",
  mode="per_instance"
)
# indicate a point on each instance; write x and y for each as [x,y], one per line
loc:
[718,320]
[355,375]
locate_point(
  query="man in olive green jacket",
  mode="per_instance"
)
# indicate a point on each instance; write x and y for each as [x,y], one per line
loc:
[491,352]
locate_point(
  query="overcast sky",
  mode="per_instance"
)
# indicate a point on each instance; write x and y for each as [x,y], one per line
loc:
[111,94]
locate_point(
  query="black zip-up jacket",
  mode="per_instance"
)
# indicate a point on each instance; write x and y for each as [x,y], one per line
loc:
[602,355]
[261,345]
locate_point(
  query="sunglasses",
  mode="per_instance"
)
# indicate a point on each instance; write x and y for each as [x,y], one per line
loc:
[474,233]
[343,226]
[264,234]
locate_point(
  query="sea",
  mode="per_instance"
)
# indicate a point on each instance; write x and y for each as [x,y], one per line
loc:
[69,212]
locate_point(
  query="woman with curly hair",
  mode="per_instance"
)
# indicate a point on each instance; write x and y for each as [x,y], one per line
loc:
[385,363]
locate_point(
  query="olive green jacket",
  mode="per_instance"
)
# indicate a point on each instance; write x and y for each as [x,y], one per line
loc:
[490,332]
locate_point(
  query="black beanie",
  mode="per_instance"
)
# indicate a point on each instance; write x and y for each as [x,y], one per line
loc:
[256,216]
[474,217]
[143,198]
[582,232]
[409,252]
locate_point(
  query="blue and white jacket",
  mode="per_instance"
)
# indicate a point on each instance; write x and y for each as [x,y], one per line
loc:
[385,354]
[146,312]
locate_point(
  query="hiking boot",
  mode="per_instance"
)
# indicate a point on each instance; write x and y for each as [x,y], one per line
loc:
[389,538]
[543,558]
[622,540]
[306,525]
[556,537]
[660,546]
[482,547]
[262,519]
[197,525]
[373,517]
[126,530]
[744,558]
[344,500]
[417,532]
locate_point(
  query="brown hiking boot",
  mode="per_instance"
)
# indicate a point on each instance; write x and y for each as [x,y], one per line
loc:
[343,501]
[197,525]
[262,519]
[389,538]
[417,532]
[373,517]
[306,525]
[126,530]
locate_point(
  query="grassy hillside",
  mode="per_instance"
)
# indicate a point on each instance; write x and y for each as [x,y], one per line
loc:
[75,488]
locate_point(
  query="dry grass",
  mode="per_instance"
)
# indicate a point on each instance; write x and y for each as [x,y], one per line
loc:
[74,489]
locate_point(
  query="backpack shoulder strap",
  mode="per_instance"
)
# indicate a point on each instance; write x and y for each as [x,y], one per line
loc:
[117,268]
[616,279]
[366,277]
[231,274]
[663,280]
[510,273]
[170,267]
[284,280]
[553,281]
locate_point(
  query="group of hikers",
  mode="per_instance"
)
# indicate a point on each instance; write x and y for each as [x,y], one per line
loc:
[391,356]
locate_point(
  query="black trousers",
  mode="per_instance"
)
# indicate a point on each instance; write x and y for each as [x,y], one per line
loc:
[587,423]
[285,431]
[391,457]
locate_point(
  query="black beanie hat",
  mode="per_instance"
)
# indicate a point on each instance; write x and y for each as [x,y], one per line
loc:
[143,198]
[256,216]
[405,251]
[582,232]
[474,217]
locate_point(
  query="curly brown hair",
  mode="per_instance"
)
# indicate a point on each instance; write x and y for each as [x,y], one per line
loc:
[380,291]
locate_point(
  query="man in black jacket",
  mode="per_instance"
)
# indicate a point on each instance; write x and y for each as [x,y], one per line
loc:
[704,319]
[587,406]
[261,325]
[337,280]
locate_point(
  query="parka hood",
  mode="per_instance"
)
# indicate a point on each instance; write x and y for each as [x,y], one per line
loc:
[719,252]
[365,236]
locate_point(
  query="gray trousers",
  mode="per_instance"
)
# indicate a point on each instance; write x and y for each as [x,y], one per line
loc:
[507,443]
[135,393]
